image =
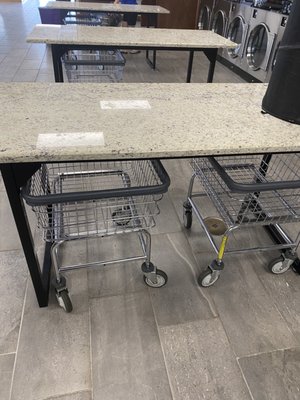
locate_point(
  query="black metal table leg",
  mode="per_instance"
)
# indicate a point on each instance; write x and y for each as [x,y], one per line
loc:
[40,278]
[151,17]
[190,67]
[211,54]
[154,51]
[154,59]
[148,26]
[57,52]
[152,62]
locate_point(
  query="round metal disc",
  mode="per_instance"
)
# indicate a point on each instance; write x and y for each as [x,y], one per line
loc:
[216,226]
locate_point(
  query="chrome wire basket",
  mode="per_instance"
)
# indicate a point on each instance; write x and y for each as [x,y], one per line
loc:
[92,19]
[76,200]
[252,189]
[94,66]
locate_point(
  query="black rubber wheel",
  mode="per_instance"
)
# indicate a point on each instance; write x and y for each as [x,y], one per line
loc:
[187,215]
[162,279]
[279,265]
[187,219]
[65,301]
[296,266]
[208,277]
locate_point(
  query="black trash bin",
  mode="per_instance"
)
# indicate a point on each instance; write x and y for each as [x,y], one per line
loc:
[282,98]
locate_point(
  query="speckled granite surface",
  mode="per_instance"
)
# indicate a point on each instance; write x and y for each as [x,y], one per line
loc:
[183,120]
[106,7]
[121,36]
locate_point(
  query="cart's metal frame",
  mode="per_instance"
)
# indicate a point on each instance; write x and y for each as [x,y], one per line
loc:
[75,201]
[244,199]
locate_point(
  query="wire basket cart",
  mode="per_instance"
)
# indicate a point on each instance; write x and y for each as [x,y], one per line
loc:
[94,66]
[81,200]
[92,19]
[246,191]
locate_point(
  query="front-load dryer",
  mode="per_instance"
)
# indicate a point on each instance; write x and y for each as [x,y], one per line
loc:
[279,35]
[237,32]
[205,14]
[260,42]
[221,15]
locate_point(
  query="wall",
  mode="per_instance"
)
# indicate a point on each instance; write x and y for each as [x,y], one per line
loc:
[183,13]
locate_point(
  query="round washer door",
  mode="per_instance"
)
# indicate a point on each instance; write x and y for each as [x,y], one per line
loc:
[219,23]
[204,18]
[275,56]
[236,33]
[259,47]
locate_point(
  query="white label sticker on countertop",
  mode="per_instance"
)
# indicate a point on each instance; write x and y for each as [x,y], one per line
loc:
[125,105]
[74,139]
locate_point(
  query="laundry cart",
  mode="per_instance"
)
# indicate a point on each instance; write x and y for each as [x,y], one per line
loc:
[246,191]
[85,200]
[93,66]
[92,19]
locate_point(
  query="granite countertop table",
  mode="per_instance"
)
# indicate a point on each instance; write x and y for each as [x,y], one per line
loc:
[106,7]
[122,36]
[55,122]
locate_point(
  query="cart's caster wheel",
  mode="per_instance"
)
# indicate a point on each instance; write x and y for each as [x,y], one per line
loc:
[208,277]
[296,266]
[122,216]
[280,265]
[187,215]
[64,300]
[161,279]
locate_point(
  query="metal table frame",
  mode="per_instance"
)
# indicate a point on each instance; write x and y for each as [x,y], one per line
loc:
[59,49]
[14,176]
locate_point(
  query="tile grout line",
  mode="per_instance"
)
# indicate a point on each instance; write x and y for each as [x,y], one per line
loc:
[19,336]
[212,309]
[9,250]
[105,296]
[267,352]
[282,316]
[236,357]
[41,63]
[244,378]
[12,79]
[276,307]
[161,346]
[7,354]
[91,353]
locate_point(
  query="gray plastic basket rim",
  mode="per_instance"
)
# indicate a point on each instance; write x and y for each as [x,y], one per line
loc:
[45,200]
[251,187]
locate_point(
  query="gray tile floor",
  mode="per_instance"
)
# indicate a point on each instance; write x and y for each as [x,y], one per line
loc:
[237,340]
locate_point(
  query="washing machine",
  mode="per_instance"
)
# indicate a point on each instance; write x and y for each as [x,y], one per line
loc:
[260,42]
[280,32]
[205,15]
[221,15]
[237,32]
